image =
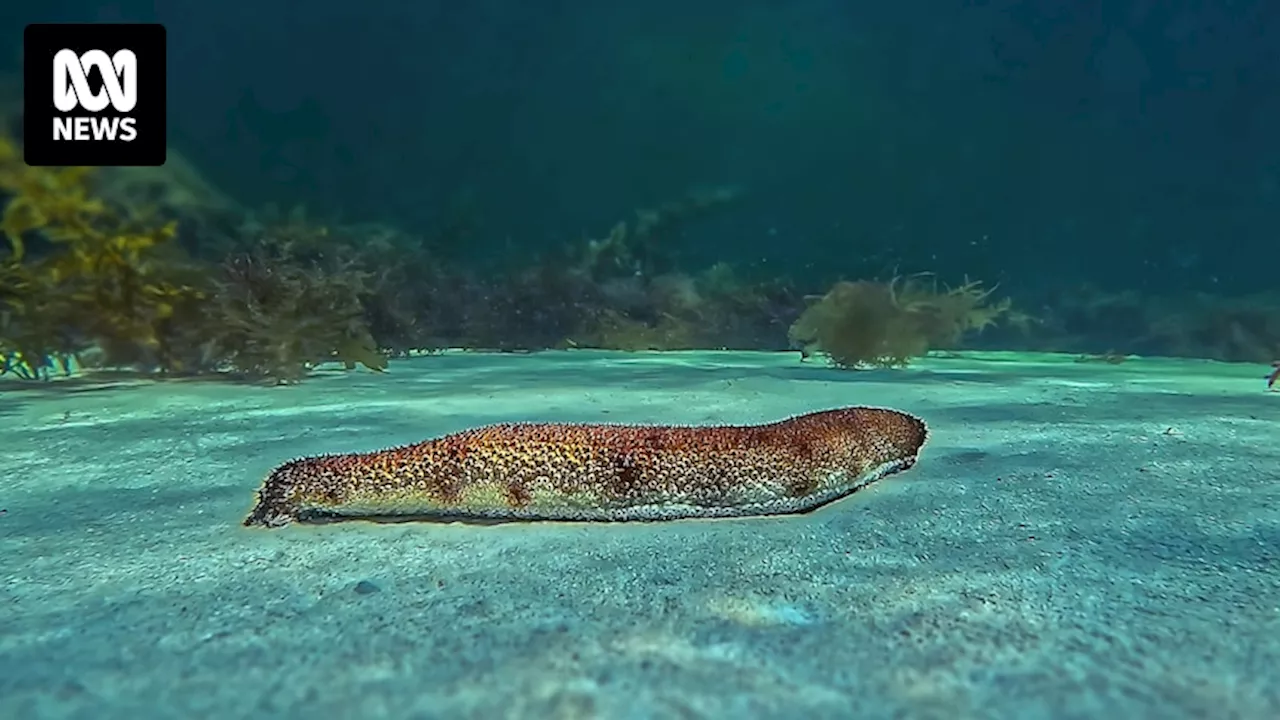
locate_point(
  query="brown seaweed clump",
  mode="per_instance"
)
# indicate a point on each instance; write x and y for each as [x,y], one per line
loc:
[886,324]
[277,319]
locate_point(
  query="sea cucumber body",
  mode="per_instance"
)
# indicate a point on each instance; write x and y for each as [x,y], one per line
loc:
[601,472]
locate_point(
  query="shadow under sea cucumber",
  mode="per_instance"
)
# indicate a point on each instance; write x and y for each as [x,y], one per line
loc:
[584,472]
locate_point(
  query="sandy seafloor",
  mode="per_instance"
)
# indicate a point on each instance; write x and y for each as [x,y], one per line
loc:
[1078,541]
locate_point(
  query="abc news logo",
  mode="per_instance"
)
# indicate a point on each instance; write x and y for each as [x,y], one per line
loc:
[71,91]
[94,95]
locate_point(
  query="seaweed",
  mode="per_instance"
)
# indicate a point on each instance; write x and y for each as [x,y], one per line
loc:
[33,342]
[208,219]
[1089,320]
[713,309]
[738,312]
[612,330]
[536,308]
[887,324]
[646,246]
[275,319]
[1239,329]
[98,283]
[91,282]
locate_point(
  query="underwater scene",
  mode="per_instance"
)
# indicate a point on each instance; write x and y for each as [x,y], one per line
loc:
[570,359]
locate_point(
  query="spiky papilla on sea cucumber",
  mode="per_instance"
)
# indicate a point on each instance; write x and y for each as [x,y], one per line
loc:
[601,472]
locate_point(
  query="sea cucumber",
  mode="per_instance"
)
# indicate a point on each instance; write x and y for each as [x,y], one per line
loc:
[543,471]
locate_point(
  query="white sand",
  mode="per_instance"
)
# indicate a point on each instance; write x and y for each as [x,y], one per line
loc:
[1078,540]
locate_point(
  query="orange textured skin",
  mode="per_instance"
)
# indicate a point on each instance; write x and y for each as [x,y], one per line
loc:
[601,472]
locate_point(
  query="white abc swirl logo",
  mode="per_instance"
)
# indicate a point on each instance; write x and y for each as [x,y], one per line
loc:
[71,81]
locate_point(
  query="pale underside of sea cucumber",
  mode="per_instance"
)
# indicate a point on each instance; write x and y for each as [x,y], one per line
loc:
[548,471]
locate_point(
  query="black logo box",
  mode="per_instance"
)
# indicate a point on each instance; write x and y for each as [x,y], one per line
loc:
[44,40]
